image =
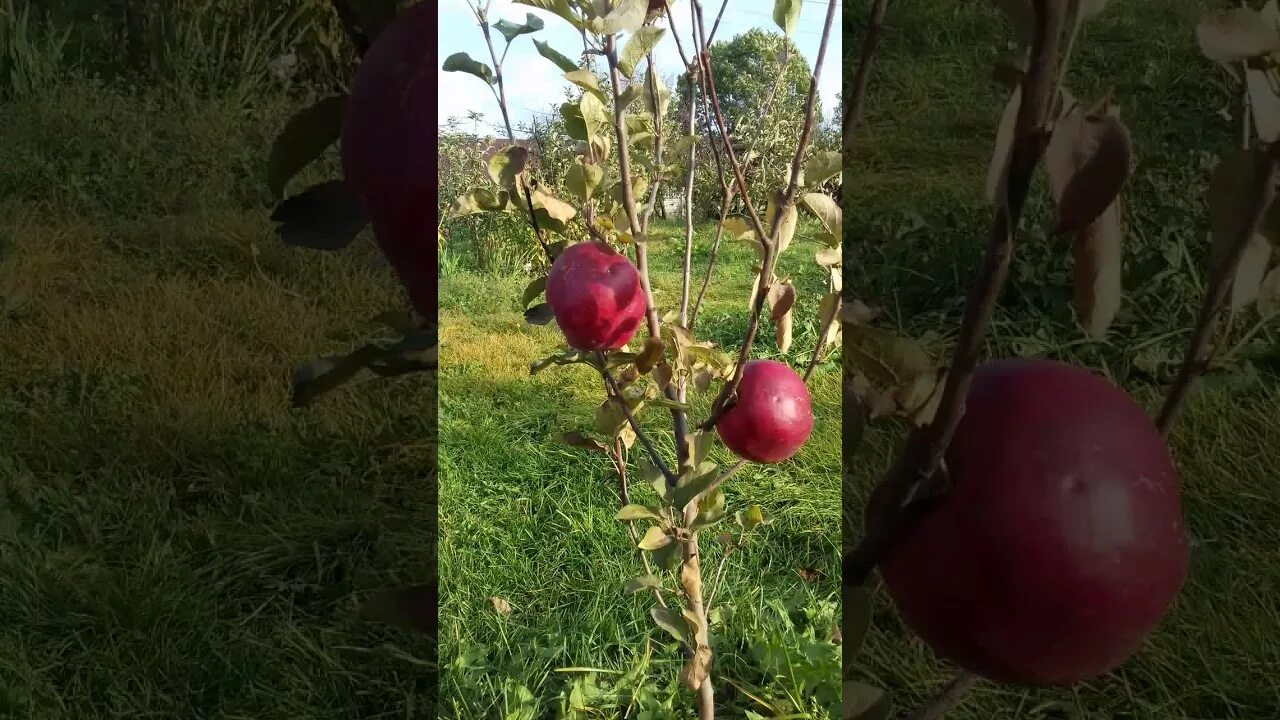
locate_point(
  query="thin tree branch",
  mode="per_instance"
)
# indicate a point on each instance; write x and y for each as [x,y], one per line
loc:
[821,344]
[915,480]
[769,243]
[482,18]
[1197,355]
[862,76]
[615,393]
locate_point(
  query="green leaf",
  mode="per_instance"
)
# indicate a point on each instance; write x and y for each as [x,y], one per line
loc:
[585,442]
[655,102]
[638,45]
[548,52]
[671,621]
[582,179]
[626,16]
[643,582]
[694,481]
[462,62]
[561,8]
[304,138]
[534,290]
[637,512]
[669,557]
[322,217]
[752,518]
[786,13]
[711,509]
[511,31]
[557,209]
[702,444]
[652,475]
[654,538]
[539,314]
[479,200]
[629,95]
[507,165]
[588,81]
[822,167]
[414,607]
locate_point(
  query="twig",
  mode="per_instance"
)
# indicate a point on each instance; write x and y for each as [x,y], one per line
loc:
[615,392]
[619,459]
[914,478]
[946,699]
[822,340]
[501,95]
[862,76]
[769,243]
[725,195]
[1196,358]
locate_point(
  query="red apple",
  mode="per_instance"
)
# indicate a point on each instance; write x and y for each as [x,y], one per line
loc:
[1061,545]
[389,149]
[595,294]
[773,416]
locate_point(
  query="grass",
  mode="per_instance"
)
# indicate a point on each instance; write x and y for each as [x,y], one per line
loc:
[920,159]
[176,543]
[530,521]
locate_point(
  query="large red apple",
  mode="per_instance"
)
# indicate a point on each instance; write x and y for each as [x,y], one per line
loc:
[595,295]
[389,153]
[773,416]
[1061,545]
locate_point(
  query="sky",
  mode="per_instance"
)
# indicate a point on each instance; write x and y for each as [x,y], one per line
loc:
[533,83]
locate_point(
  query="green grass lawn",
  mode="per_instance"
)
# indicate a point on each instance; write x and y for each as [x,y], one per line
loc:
[530,521]
[918,225]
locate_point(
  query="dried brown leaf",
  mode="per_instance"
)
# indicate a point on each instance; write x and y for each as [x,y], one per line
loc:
[998,170]
[1250,272]
[1096,276]
[1236,34]
[780,298]
[783,332]
[650,354]
[1088,161]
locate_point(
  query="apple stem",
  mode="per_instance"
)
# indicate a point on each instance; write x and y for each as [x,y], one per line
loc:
[1197,355]
[862,76]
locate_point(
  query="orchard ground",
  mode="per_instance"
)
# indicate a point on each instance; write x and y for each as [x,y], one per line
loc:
[920,159]
[176,543]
